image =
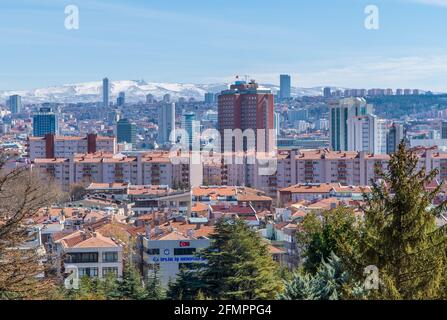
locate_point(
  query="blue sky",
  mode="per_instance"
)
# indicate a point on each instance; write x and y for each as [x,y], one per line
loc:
[318,42]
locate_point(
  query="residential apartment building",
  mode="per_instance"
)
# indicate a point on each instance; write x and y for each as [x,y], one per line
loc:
[52,146]
[91,254]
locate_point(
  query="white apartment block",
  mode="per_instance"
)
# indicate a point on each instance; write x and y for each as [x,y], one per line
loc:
[91,254]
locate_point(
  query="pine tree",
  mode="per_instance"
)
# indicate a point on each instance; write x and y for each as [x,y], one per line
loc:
[334,231]
[187,285]
[331,282]
[154,289]
[131,287]
[111,287]
[239,265]
[400,234]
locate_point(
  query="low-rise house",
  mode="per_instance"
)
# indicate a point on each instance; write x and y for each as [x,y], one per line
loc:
[91,254]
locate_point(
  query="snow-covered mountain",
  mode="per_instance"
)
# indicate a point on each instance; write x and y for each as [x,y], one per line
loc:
[136,90]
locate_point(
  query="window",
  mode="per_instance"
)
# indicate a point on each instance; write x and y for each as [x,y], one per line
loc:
[112,270]
[184,251]
[110,257]
[88,257]
[153,266]
[89,272]
[153,252]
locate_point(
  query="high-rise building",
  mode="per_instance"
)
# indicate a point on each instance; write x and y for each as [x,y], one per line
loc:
[443,130]
[126,131]
[246,106]
[327,92]
[285,86]
[105,92]
[121,100]
[15,104]
[277,124]
[394,137]
[45,122]
[167,98]
[367,133]
[399,92]
[338,120]
[192,127]
[210,98]
[150,99]
[166,123]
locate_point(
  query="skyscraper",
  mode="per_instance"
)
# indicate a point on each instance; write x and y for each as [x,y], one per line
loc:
[105,92]
[45,122]
[327,92]
[126,131]
[192,127]
[277,124]
[394,137]
[167,98]
[285,86]
[210,98]
[121,100]
[15,104]
[246,106]
[166,123]
[367,133]
[338,120]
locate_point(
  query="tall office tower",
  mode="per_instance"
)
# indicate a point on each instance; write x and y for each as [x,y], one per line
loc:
[338,120]
[443,130]
[210,98]
[167,98]
[45,122]
[126,131]
[105,92]
[394,137]
[367,133]
[192,127]
[150,99]
[15,104]
[246,106]
[285,86]
[327,93]
[121,100]
[277,124]
[166,123]
[113,116]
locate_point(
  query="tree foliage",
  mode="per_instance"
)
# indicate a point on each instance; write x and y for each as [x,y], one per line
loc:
[22,195]
[400,235]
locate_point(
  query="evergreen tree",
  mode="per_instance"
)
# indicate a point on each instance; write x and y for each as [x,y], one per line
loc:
[111,287]
[331,282]
[187,285]
[239,265]
[154,289]
[400,233]
[334,231]
[131,287]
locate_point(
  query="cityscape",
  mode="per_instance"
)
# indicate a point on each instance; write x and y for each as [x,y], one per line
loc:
[247,188]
